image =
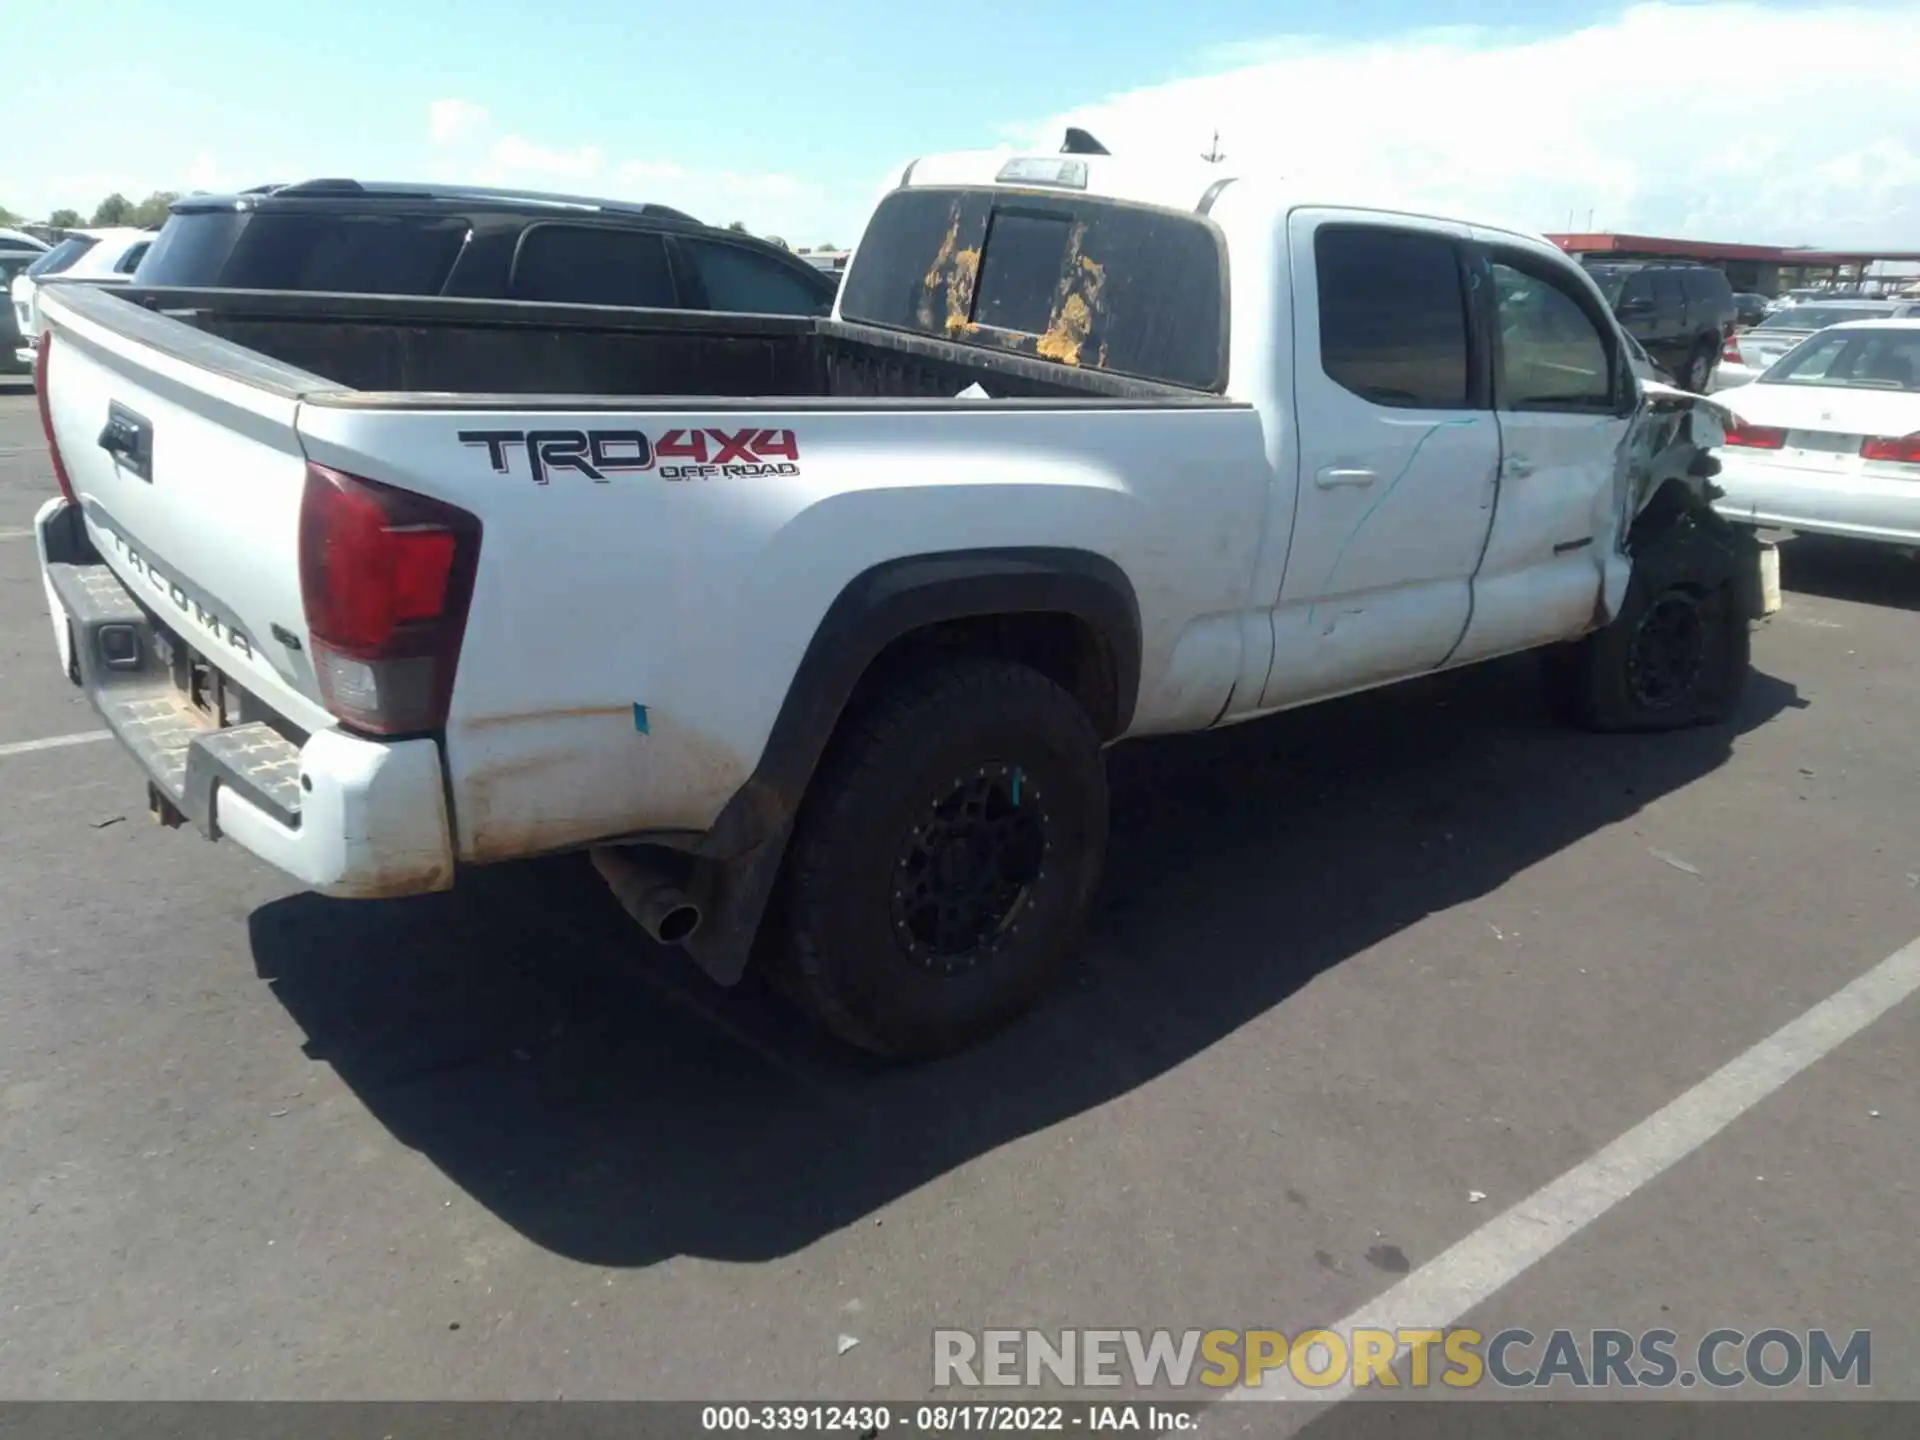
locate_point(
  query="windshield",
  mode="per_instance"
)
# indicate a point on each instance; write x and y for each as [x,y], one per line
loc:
[1853,359]
[1818,317]
[1064,277]
[61,256]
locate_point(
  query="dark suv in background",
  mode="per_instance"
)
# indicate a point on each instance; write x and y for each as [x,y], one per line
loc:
[1680,312]
[378,239]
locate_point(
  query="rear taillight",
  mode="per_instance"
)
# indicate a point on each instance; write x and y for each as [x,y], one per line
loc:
[1904,449]
[1755,437]
[1731,350]
[42,348]
[386,576]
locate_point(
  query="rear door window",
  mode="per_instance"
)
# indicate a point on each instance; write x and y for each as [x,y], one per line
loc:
[1075,279]
[1393,316]
[738,279]
[593,265]
[1668,298]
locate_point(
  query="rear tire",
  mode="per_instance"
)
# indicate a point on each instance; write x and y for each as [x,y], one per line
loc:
[945,857]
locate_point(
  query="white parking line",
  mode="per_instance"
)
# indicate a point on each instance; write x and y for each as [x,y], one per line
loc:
[54,742]
[16,534]
[1440,1292]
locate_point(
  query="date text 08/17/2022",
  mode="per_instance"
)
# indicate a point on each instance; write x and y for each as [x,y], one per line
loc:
[1087,1418]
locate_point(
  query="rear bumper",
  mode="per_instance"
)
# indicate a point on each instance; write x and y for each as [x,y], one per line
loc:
[1818,502]
[345,815]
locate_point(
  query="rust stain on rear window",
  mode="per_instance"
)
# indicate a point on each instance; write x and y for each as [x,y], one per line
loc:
[953,272]
[1078,309]
[1076,306]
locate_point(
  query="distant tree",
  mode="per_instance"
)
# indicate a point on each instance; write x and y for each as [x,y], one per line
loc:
[152,211]
[64,220]
[116,209]
[827,249]
[7,217]
[776,240]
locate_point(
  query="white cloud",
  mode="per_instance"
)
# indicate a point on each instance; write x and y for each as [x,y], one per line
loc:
[511,160]
[768,203]
[451,121]
[1644,121]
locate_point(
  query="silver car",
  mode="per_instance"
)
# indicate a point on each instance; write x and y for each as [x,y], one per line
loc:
[1752,351]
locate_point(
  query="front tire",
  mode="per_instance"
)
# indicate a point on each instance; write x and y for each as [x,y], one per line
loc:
[946,857]
[1676,656]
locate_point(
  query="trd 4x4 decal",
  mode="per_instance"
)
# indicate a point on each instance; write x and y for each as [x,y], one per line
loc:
[708,454]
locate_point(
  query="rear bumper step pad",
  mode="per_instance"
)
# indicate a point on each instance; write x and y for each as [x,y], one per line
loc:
[184,752]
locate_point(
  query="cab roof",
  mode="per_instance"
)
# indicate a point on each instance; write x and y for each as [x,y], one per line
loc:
[1175,184]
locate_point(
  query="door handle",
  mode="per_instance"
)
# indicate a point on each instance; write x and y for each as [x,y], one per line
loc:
[1331,477]
[1519,467]
[129,439]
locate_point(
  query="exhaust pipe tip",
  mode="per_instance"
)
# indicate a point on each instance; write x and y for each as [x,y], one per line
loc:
[648,893]
[675,922]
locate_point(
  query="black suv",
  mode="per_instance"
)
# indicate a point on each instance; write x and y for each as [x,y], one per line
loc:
[1679,311]
[373,239]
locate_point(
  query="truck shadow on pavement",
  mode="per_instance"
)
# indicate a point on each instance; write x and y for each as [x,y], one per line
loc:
[609,1104]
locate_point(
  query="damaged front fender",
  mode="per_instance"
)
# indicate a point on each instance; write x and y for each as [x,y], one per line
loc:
[1667,450]
[1673,435]
[1670,525]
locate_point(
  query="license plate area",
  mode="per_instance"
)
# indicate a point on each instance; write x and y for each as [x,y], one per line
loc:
[198,684]
[1823,442]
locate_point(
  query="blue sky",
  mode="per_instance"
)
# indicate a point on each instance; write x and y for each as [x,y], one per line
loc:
[789,115]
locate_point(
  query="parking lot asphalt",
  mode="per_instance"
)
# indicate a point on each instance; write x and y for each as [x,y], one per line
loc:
[1362,977]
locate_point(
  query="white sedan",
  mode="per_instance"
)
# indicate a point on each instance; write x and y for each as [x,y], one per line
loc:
[109,256]
[1827,440]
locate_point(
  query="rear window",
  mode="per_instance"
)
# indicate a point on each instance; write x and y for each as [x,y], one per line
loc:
[1068,278]
[1612,280]
[264,250]
[736,278]
[1853,359]
[1818,317]
[62,256]
[1705,285]
[593,265]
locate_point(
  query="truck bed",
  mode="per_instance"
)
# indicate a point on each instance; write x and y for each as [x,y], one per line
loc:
[394,351]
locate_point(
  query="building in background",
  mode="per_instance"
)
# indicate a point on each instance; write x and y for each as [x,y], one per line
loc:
[1762,269]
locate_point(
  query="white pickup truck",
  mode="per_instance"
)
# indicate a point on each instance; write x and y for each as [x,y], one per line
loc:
[812,632]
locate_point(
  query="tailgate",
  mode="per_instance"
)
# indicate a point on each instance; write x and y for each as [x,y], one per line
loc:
[183,453]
